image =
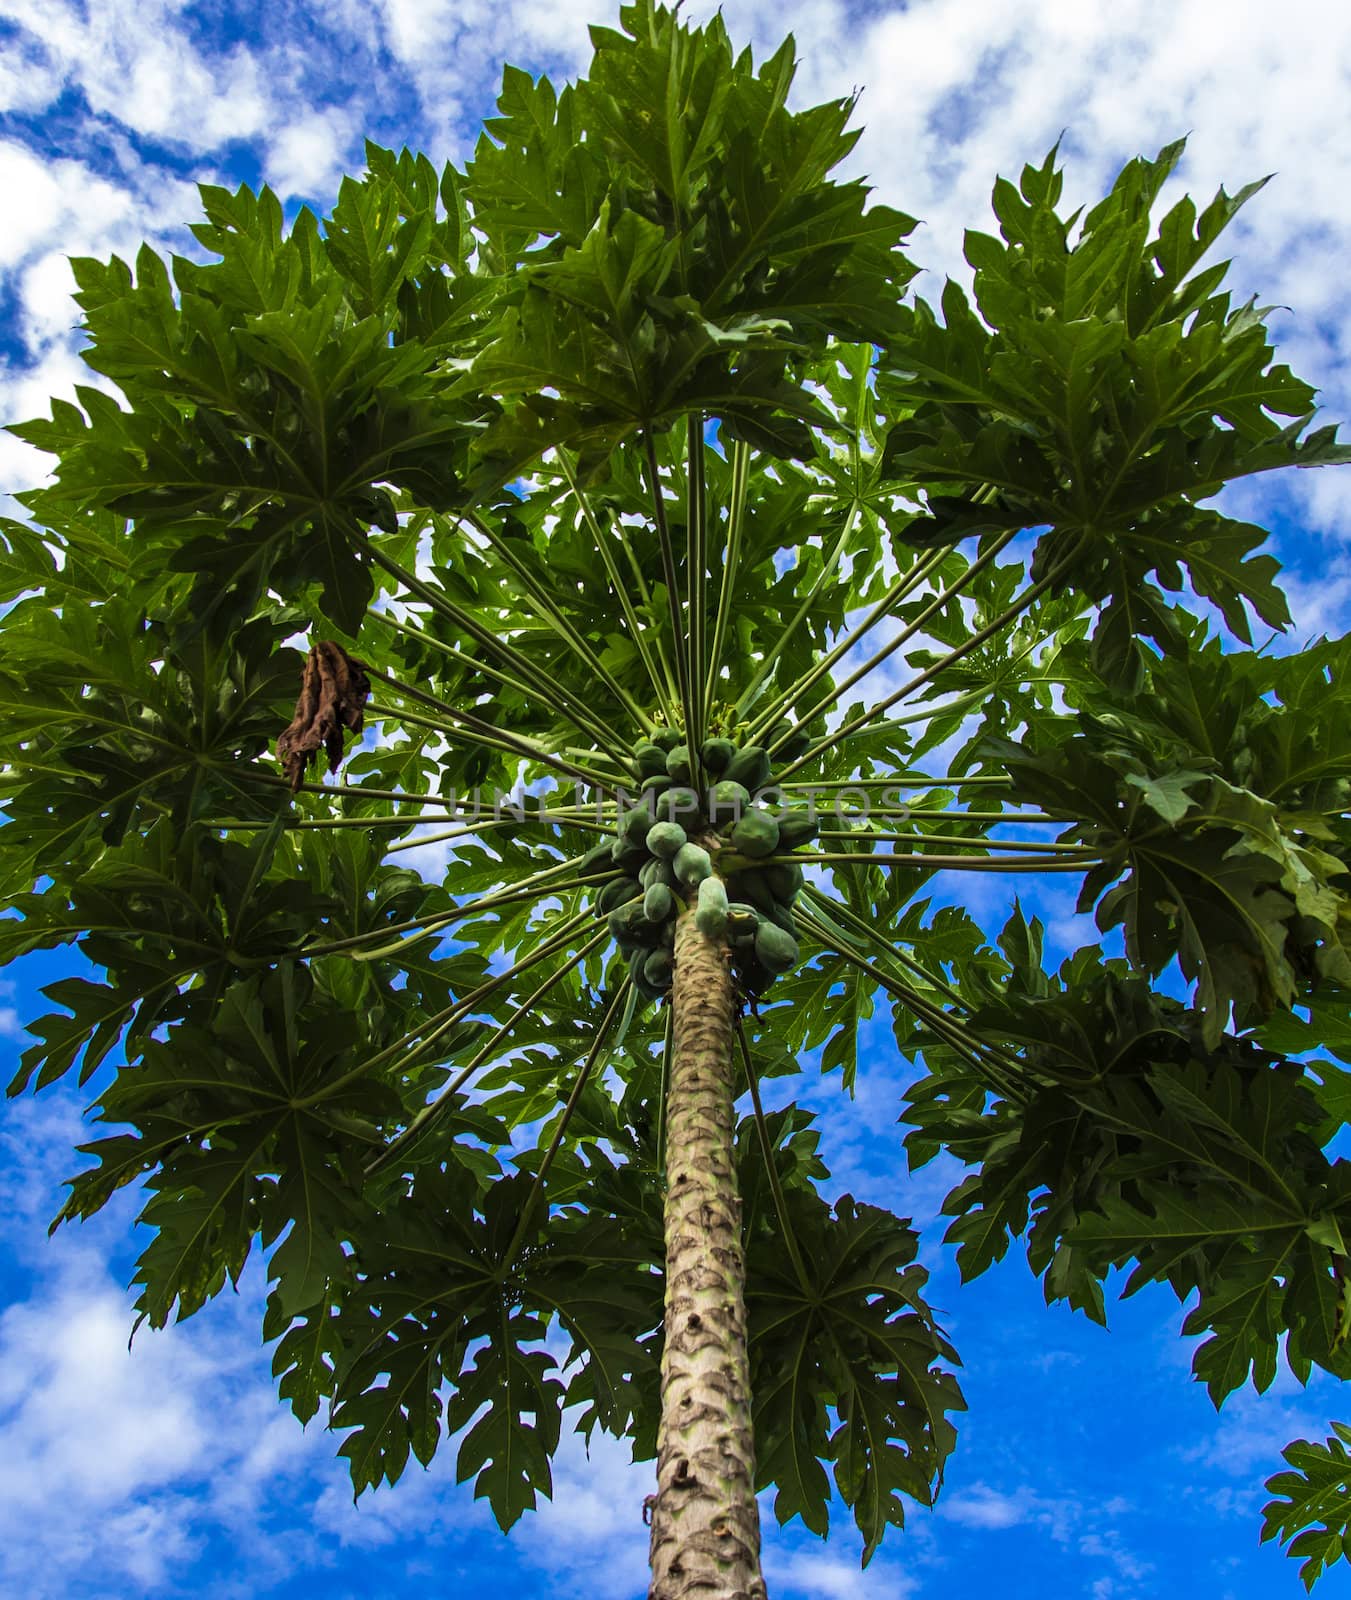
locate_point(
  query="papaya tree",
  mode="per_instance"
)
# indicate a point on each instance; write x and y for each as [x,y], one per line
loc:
[679,605]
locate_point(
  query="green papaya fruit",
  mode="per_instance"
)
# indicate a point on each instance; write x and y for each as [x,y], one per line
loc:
[650,758]
[665,838]
[796,828]
[784,880]
[794,748]
[692,864]
[776,949]
[657,784]
[782,917]
[628,855]
[655,870]
[658,903]
[615,893]
[678,764]
[629,925]
[633,825]
[637,960]
[658,970]
[757,834]
[678,805]
[711,912]
[715,754]
[749,767]
[742,921]
[666,739]
[597,856]
[750,887]
[728,801]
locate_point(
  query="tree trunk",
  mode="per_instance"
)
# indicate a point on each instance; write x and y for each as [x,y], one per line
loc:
[705,1521]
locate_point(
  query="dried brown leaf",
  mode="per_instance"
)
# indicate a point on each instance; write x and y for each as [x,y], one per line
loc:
[333,694]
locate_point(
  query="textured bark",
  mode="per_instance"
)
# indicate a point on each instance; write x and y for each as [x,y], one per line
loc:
[705,1521]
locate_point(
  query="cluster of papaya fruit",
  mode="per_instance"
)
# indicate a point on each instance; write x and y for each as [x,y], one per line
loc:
[714,849]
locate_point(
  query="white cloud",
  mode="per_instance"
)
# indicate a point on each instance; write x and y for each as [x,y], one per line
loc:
[59,209]
[1092,1529]
[983,1507]
[37,204]
[1320,606]
[307,157]
[149,1452]
[136,64]
[408,1513]
[818,1576]
[28,81]
[146,1452]
[65,207]
[453,50]
[597,1506]
[60,1354]
[1248,1436]
[1108,1547]
[48,287]
[38,1135]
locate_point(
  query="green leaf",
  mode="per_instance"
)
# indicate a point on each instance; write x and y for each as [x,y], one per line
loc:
[1311,1513]
[857,1336]
[1105,387]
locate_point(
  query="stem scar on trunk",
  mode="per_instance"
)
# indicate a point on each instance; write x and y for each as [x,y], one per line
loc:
[333,695]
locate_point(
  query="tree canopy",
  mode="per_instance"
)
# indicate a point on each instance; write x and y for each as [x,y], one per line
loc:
[632,436]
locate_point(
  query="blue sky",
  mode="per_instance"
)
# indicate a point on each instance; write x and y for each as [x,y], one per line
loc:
[1089,1463]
